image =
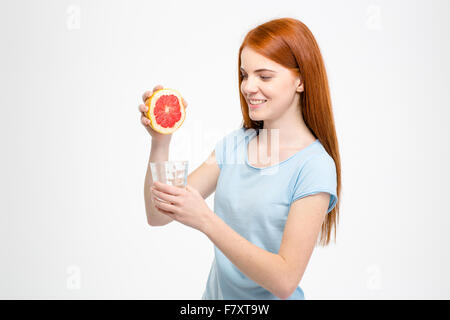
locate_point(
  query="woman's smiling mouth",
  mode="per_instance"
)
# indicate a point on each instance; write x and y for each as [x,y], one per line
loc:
[256,103]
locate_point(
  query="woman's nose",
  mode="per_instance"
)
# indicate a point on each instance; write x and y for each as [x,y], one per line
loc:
[249,87]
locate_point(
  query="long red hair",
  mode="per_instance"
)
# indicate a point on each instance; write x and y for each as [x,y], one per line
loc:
[290,43]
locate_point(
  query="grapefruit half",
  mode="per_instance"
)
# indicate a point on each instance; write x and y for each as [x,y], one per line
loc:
[165,110]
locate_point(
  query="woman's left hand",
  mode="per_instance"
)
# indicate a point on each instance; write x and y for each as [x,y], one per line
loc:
[186,205]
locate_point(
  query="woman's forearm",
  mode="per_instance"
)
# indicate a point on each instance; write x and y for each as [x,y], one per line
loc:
[158,152]
[267,269]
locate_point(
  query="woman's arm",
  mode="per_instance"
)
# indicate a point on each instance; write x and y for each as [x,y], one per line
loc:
[279,273]
[265,268]
[159,152]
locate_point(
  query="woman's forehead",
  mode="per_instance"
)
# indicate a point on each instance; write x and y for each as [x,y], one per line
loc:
[253,61]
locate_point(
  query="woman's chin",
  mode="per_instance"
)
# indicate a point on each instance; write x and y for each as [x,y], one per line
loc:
[255,117]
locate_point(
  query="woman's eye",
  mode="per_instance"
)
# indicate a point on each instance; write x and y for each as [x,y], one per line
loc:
[262,77]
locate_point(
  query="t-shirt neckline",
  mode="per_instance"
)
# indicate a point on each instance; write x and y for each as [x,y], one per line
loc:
[277,164]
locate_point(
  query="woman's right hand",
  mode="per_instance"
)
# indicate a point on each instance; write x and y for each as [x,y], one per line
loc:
[156,136]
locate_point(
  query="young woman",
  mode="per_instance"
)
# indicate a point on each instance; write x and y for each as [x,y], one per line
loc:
[268,215]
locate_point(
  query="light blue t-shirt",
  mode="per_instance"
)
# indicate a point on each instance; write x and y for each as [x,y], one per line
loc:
[255,202]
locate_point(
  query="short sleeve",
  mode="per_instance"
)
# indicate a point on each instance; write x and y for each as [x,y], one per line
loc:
[317,175]
[219,152]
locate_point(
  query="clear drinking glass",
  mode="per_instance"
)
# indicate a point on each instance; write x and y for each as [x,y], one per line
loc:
[170,172]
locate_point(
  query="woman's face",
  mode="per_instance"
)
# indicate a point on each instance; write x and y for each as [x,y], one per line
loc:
[277,87]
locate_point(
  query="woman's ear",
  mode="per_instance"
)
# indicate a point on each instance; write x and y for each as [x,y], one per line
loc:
[299,83]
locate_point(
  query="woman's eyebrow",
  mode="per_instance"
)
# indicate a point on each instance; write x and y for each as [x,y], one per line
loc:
[242,69]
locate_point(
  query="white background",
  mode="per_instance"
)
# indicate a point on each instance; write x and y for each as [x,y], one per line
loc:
[74,155]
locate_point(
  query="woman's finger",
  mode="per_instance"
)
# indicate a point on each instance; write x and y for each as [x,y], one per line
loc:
[166,188]
[165,196]
[164,206]
[145,121]
[148,94]
[143,108]
[165,212]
